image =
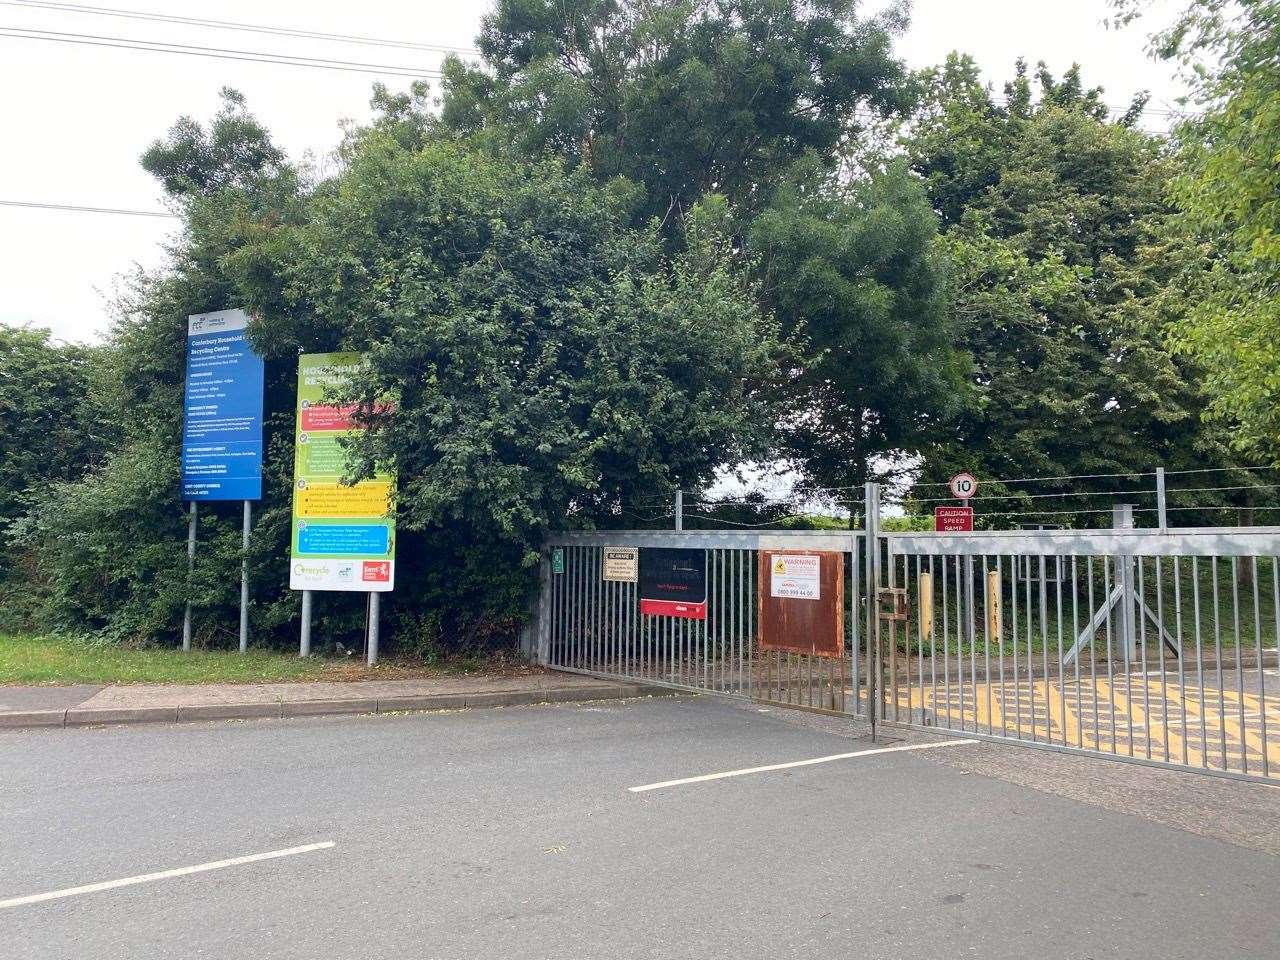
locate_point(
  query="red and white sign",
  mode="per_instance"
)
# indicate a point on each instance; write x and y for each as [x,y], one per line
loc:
[319,418]
[376,571]
[673,608]
[953,519]
[964,486]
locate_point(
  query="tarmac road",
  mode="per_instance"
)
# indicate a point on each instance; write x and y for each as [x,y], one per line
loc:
[513,834]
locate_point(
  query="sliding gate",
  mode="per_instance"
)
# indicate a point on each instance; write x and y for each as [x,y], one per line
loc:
[590,624]
[1155,647]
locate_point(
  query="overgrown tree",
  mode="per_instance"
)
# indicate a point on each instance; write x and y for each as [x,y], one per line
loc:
[551,362]
[857,278]
[1052,214]
[1226,193]
[683,97]
[111,546]
[52,431]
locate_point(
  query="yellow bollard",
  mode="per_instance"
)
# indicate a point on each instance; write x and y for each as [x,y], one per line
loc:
[926,606]
[994,618]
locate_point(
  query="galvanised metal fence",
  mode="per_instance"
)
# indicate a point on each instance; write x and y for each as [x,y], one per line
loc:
[594,626]
[1152,646]
[1158,647]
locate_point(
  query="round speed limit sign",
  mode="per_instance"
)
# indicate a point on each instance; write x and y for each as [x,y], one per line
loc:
[964,486]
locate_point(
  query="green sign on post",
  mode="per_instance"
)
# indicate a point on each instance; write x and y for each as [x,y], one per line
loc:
[557,560]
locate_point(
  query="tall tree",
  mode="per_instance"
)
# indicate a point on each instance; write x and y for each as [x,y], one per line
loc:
[684,97]
[1052,213]
[550,361]
[1227,195]
[111,545]
[856,276]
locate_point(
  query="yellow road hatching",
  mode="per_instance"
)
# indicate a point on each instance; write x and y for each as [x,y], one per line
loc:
[1223,728]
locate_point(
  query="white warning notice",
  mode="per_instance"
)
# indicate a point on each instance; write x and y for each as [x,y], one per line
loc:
[796,577]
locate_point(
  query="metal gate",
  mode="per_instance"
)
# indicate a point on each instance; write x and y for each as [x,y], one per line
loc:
[591,625]
[1156,647]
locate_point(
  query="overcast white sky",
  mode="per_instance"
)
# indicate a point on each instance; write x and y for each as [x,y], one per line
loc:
[76,118]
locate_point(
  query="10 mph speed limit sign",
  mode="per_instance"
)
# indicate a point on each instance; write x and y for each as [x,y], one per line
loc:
[964,486]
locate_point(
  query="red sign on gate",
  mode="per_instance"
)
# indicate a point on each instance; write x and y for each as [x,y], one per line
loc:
[953,519]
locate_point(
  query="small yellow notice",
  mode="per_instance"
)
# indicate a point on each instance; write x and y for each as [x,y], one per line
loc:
[369,498]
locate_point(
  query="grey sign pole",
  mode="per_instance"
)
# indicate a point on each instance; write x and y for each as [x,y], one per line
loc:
[191,563]
[373,628]
[679,509]
[244,577]
[304,648]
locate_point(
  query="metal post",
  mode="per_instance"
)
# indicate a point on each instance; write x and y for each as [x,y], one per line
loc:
[191,563]
[373,628]
[304,648]
[1160,500]
[1122,519]
[542,650]
[871,529]
[244,576]
[679,509]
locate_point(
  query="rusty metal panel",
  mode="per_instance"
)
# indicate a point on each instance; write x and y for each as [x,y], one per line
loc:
[805,615]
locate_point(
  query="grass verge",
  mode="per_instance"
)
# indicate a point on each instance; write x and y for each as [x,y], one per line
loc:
[27,659]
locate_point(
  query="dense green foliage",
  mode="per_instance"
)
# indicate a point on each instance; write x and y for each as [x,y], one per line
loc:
[684,98]
[763,103]
[52,429]
[1057,229]
[858,280]
[1228,192]
[49,425]
[550,359]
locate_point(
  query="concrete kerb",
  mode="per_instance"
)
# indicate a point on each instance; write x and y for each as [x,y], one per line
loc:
[89,716]
[33,718]
[83,717]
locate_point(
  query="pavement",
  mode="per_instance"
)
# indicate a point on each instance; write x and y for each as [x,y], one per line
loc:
[82,705]
[516,834]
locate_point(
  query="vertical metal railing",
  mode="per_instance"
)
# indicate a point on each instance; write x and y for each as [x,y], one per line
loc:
[1160,647]
[594,626]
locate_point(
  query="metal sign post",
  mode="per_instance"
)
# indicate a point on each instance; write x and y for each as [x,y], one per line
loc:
[1161,510]
[304,645]
[372,638]
[191,563]
[244,576]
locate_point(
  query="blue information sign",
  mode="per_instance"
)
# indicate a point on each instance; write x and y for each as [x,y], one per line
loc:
[222,422]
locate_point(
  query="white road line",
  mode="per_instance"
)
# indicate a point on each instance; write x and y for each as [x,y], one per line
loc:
[800,763]
[162,875]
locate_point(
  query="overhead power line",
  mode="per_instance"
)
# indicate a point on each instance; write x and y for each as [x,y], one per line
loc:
[74,208]
[262,28]
[218,53]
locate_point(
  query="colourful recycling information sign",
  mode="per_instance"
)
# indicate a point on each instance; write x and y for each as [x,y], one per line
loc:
[343,535]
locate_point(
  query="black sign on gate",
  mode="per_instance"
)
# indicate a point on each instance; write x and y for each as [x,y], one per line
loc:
[673,583]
